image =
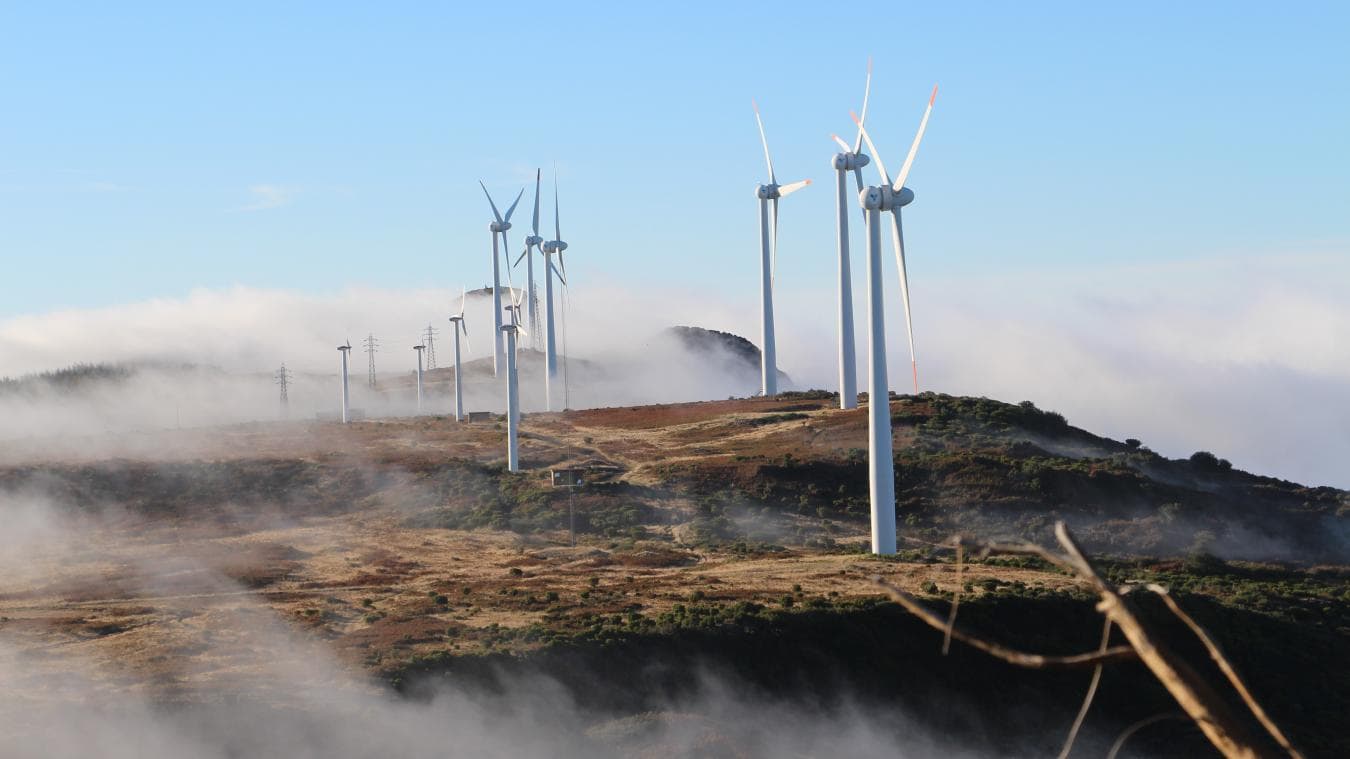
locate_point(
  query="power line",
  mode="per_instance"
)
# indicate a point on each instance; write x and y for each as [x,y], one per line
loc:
[372,346]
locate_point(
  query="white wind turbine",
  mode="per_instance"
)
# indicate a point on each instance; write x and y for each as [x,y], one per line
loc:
[850,159]
[419,348]
[459,326]
[532,241]
[549,249]
[512,389]
[498,226]
[769,195]
[890,196]
[346,393]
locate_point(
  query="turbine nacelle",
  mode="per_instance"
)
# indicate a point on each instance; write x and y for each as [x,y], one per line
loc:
[884,198]
[533,240]
[499,226]
[554,246]
[767,192]
[849,161]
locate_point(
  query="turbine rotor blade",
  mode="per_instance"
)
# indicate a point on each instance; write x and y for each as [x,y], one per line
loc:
[868,139]
[914,148]
[788,189]
[489,197]
[555,271]
[773,179]
[557,220]
[838,141]
[537,174]
[521,257]
[867,91]
[773,244]
[512,209]
[463,299]
[897,240]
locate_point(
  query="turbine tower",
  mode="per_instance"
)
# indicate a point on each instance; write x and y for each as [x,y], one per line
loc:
[850,159]
[419,349]
[498,227]
[458,321]
[346,393]
[531,242]
[512,396]
[549,249]
[890,196]
[768,195]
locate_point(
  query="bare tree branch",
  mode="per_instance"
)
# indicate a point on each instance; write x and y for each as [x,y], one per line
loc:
[1087,700]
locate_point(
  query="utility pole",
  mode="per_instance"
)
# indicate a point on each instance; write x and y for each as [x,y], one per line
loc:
[372,345]
[429,340]
[283,378]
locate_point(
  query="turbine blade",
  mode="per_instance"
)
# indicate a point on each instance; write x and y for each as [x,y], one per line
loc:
[512,209]
[563,263]
[838,141]
[555,271]
[463,299]
[914,149]
[521,257]
[868,139]
[897,240]
[489,197]
[867,91]
[773,179]
[557,220]
[788,189]
[537,174]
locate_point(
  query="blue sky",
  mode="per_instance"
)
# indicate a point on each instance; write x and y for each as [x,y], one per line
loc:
[146,149]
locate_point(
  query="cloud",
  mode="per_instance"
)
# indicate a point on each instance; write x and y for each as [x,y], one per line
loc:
[1248,357]
[269,196]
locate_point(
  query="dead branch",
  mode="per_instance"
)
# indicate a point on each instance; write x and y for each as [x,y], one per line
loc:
[1087,700]
[1136,727]
[1199,701]
[1222,661]
[1012,656]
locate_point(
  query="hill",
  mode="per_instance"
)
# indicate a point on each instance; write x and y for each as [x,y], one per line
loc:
[723,534]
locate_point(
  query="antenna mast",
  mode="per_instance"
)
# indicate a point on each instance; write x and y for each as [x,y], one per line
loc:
[372,346]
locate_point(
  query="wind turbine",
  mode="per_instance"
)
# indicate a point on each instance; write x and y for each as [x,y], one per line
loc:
[498,226]
[850,159]
[346,393]
[768,243]
[419,348]
[512,391]
[458,321]
[890,196]
[530,243]
[549,248]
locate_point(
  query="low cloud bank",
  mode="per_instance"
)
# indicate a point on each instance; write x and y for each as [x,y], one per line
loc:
[1248,357]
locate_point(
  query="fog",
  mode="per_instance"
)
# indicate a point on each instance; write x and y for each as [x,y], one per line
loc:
[238,681]
[1246,356]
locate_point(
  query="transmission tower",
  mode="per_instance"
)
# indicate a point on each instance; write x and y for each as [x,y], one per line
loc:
[372,345]
[429,340]
[283,378]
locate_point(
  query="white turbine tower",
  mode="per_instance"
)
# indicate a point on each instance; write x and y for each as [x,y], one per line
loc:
[549,249]
[512,390]
[851,159]
[890,196]
[346,393]
[531,242]
[458,321]
[769,195]
[499,226]
[419,349]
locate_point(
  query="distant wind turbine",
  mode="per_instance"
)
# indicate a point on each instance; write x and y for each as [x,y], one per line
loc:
[346,393]
[889,196]
[512,391]
[556,246]
[850,159]
[768,195]
[419,348]
[532,241]
[459,326]
[498,227]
